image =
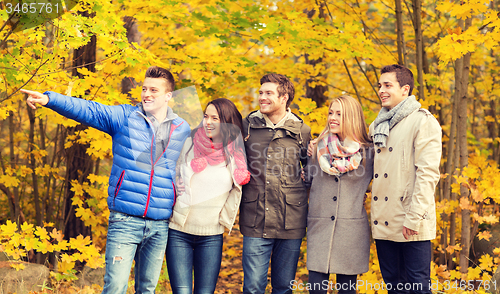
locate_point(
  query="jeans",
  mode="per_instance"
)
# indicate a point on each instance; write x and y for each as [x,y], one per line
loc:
[284,255]
[134,238]
[345,284]
[405,266]
[185,252]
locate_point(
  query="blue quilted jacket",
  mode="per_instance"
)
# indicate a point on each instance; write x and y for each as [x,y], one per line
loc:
[138,185]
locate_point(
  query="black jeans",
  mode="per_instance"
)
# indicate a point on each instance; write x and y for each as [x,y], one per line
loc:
[405,266]
[346,284]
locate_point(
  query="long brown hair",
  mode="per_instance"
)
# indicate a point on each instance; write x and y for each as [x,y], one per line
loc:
[352,123]
[230,123]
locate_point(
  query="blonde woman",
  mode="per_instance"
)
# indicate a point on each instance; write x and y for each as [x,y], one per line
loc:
[338,233]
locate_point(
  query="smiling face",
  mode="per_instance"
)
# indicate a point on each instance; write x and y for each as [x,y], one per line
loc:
[155,97]
[390,92]
[270,102]
[211,124]
[335,118]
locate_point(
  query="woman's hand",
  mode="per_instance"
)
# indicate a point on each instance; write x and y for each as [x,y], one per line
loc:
[180,186]
[310,148]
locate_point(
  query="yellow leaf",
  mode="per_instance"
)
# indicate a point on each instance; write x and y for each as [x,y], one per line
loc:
[490,219]
[464,203]
[30,243]
[25,171]
[57,235]
[484,235]
[17,265]
[9,181]
[42,233]
[474,273]
[8,229]
[486,262]
[450,249]
[65,267]
[79,242]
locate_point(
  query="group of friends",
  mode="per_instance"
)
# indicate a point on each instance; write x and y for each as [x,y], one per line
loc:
[173,189]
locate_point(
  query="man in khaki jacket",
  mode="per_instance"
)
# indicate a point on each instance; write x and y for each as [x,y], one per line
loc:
[408,146]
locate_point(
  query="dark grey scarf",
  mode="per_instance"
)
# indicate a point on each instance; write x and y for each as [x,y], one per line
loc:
[387,119]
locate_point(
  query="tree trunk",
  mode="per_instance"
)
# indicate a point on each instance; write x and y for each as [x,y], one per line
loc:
[13,164]
[464,155]
[79,163]
[419,41]
[32,165]
[133,35]
[400,33]
[317,93]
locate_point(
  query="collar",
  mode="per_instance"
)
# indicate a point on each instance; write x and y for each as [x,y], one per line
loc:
[288,116]
[170,114]
[290,122]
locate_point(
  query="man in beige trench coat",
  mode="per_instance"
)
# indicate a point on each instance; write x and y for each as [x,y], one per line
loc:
[407,142]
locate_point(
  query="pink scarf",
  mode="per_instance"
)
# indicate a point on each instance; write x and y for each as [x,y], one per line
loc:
[208,152]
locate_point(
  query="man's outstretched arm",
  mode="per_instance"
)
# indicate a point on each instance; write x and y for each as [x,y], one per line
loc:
[102,117]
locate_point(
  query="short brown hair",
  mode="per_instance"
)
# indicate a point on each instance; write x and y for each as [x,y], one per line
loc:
[285,86]
[159,72]
[404,76]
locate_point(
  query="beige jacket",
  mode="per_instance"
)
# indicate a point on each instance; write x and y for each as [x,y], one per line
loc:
[406,173]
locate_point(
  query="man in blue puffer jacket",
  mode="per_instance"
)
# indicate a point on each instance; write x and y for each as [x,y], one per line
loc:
[147,140]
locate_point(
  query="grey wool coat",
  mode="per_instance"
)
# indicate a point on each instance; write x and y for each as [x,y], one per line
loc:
[338,232]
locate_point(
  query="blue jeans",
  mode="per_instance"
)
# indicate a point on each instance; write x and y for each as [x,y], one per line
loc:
[284,255]
[134,238]
[405,266]
[185,252]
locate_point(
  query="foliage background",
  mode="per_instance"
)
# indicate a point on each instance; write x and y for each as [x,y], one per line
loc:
[222,48]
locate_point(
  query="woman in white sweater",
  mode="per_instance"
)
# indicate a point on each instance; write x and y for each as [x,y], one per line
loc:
[210,171]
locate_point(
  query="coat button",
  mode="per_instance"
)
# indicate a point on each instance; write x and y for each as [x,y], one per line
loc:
[386,223]
[376,176]
[375,198]
[401,198]
[375,222]
[263,125]
[267,208]
[390,149]
[386,198]
[333,218]
[378,150]
[385,175]
[334,198]
[270,130]
[336,179]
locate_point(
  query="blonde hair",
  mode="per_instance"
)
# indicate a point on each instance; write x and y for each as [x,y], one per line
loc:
[352,123]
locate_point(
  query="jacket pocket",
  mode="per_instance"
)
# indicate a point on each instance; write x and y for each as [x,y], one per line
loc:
[118,185]
[296,208]
[248,207]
